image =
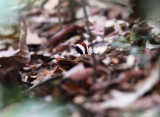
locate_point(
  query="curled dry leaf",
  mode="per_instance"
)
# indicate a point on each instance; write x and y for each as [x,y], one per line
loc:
[17,58]
[65,34]
[66,64]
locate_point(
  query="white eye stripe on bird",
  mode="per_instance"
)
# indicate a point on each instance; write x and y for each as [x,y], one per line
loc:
[81,47]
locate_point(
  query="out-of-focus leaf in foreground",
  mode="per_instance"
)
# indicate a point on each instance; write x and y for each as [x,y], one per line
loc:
[10,14]
[34,108]
[10,11]
[16,58]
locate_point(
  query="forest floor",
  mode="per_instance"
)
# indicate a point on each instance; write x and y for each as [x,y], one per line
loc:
[120,77]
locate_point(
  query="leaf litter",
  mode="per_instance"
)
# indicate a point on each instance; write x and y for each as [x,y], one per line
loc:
[126,76]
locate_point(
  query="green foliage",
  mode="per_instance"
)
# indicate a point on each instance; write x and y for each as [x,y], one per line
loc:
[133,37]
[123,39]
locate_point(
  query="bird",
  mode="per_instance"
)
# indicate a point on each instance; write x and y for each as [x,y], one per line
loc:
[67,64]
[82,48]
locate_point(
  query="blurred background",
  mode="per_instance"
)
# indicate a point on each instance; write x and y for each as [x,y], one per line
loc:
[14,102]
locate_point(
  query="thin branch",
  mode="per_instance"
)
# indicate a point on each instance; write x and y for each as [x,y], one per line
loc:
[72,8]
[59,14]
[91,38]
[43,82]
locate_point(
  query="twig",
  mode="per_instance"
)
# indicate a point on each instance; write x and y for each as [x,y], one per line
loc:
[43,82]
[72,8]
[59,14]
[91,36]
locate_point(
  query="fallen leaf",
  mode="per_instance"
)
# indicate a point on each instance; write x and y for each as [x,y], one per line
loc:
[48,72]
[152,46]
[141,28]
[82,75]
[80,13]
[50,5]
[98,30]
[75,69]
[83,58]
[79,99]
[129,63]
[86,73]
[65,34]
[115,60]
[16,58]
[61,48]
[66,64]
[33,38]
[123,100]
[73,87]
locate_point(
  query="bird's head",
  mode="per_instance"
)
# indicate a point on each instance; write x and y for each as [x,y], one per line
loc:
[82,48]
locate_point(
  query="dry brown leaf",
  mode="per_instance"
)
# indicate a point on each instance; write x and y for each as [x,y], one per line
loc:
[61,48]
[64,35]
[66,64]
[123,100]
[17,58]
[72,87]
[83,58]
[48,72]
